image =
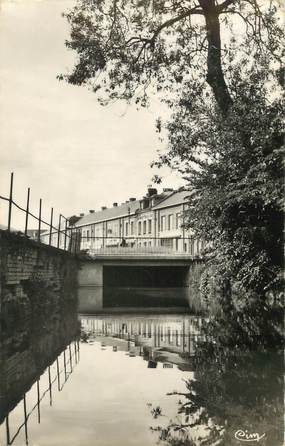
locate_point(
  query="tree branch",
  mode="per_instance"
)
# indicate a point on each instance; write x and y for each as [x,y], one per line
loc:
[196,10]
[224,5]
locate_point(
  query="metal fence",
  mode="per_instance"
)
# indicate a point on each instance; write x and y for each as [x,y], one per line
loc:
[62,230]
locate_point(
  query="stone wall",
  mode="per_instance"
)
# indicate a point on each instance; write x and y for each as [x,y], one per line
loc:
[38,310]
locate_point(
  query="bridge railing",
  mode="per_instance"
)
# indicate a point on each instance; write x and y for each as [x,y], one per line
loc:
[141,246]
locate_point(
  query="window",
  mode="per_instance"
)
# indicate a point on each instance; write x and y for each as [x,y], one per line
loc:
[192,246]
[177,244]
[88,236]
[132,228]
[177,221]
[162,223]
[198,247]
[170,221]
[127,228]
[140,228]
[144,227]
[149,226]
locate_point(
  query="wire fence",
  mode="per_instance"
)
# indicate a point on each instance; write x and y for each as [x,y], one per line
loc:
[61,231]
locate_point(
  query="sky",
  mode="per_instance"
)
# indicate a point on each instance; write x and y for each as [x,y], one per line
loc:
[73,153]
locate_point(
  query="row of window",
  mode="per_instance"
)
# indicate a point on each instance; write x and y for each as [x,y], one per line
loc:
[167,223]
[144,227]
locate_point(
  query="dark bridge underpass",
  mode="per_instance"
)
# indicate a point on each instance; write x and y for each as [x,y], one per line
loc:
[144,286]
[145,283]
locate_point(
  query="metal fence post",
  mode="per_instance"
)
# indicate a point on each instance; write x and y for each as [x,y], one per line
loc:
[50,227]
[27,211]
[26,420]
[50,387]
[40,217]
[39,401]
[58,375]
[7,430]
[58,232]
[10,201]
[65,234]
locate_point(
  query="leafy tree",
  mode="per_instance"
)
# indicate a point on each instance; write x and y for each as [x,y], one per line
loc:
[126,46]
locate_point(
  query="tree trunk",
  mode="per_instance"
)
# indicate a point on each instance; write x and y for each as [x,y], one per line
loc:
[215,75]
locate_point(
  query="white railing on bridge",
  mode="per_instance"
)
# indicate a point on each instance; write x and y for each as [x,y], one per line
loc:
[138,251]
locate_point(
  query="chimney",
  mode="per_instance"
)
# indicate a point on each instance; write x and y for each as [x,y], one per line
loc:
[167,189]
[103,208]
[151,191]
[132,199]
[91,211]
[81,215]
[115,205]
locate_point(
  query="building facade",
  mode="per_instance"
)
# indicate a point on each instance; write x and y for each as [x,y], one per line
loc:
[155,222]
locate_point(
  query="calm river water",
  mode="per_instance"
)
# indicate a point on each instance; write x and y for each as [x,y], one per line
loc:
[110,387]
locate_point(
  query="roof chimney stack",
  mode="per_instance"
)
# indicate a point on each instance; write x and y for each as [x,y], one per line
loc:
[167,189]
[91,211]
[132,199]
[151,191]
[82,214]
[103,208]
[115,205]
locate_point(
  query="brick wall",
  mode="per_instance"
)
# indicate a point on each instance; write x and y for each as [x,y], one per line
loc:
[38,311]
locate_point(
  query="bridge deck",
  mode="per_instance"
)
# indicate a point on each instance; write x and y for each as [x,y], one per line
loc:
[145,253]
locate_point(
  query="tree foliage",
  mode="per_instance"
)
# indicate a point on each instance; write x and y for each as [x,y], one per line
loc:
[125,46]
[233,165]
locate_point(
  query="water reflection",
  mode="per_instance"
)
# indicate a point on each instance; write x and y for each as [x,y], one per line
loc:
[56,375]
[141,378]
[37,333]
[98,299]
[167,339]
[235,396]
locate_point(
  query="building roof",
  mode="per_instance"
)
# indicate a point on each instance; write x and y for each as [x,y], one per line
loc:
[165,199]
[173,200]
[122,210]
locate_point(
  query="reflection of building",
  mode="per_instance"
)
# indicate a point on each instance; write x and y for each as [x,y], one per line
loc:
[161,339]
[155,221]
